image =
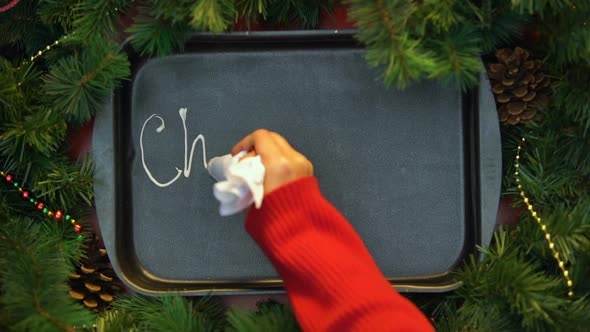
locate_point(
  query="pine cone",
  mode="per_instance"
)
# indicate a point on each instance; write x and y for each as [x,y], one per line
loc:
[519,85]
[94,283]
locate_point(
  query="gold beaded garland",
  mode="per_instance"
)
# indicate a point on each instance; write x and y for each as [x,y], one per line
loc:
[47,48]
[534,214]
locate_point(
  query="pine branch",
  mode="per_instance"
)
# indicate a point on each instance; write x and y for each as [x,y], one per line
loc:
[71,44]
[67,184]
[97,18]
[11,203]
[19,90]
[300,13]
[212,310]
[554,167]
[33,273]
[544,186]
[500,29]
[458,57]
[77,85]
[487,316]
[10,96]
[22,28]
[389,43]
[580,273]
[54,179]
[253,9]
[540,6]
[506,282]
[270,316]
[571,95]
[441,14]
[171,313]
[151,35]
[566,34]
[213,15]
[26,126]
[58,12]
[569,229]
[41,129]
[175,11]
[570,47]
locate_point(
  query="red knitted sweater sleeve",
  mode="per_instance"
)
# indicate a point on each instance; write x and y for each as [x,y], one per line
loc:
[330,277]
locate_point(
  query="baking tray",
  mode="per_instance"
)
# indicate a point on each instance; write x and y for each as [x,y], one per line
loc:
[416,172]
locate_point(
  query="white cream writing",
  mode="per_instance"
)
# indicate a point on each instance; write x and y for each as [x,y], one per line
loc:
[188,160]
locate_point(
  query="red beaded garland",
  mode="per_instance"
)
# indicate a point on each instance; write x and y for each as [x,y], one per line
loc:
[9,5]
[58,215]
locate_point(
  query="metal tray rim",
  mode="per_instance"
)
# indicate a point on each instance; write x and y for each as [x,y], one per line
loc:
[439,283]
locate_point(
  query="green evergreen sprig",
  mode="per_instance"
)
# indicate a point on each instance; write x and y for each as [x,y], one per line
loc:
[42,129]
[444,40]
[303,14]
[567,34]
[213,15]
[34,260]
[153,35]
[97,18]
[23,29]
[457,57]
[390,44]
[572,97]
[555,168]
[442,15]
[12,98]
[499,28]
[26,123]
[541,6]
[171,10]
[570,231]
[77,85]
[32,140]
[167,313]
[508,291]
[253,9]
[57,12]
[175,313]
[270,316]
[66,183]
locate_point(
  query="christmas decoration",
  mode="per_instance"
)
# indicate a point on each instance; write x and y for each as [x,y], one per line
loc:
[538,219]
[47,48]
[51,83]
[9,5]
[520,85]
[57,215]
[94,283]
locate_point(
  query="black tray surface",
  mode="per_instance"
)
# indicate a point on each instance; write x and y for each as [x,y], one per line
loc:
[402,166]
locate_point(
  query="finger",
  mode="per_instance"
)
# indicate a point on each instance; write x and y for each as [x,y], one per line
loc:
[288,150]
[262,141]
[247,143]
[282,143]
[250,154]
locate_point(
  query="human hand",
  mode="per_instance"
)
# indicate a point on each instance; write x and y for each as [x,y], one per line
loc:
[282,163]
